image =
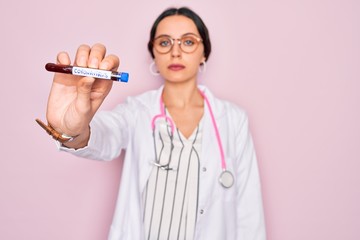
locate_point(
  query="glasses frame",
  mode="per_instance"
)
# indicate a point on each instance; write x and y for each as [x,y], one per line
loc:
[179,41]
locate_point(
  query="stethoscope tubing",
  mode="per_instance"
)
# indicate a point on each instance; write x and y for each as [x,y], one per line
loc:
[218,138]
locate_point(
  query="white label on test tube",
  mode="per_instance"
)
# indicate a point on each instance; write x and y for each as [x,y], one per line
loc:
[88,72]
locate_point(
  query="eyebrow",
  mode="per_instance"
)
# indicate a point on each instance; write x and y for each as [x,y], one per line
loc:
[185,34]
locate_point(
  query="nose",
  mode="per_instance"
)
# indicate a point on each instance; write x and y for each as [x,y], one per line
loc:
[176,50]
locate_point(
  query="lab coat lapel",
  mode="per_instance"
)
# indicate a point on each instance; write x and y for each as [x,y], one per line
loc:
[147,157]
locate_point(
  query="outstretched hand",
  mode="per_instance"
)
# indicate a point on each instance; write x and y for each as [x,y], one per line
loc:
[74,100]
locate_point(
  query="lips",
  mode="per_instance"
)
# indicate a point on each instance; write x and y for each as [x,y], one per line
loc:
[176,67]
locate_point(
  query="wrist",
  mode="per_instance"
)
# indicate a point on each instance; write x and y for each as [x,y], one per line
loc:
[61,137]
[80,140]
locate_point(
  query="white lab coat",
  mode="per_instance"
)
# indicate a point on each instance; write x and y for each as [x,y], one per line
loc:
[224,214]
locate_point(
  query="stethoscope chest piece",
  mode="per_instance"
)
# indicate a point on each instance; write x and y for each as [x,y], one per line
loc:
[226,179]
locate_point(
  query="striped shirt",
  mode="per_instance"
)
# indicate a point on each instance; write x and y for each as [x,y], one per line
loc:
[171,196]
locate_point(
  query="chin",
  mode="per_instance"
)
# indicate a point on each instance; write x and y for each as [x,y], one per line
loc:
[178,77]
[175,77]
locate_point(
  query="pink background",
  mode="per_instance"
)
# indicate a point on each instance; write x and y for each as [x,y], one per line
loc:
[292,64]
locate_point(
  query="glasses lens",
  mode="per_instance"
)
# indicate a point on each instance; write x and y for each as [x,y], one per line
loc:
[189,44]
[163,44]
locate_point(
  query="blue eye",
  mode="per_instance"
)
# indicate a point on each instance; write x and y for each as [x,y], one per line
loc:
[165,43]
[188,42]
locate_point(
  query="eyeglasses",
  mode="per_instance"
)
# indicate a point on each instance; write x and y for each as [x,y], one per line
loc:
[187,43]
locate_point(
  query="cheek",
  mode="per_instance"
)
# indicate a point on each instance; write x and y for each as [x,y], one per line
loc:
[202,54]
[195,66]
[197,61]
[159,61]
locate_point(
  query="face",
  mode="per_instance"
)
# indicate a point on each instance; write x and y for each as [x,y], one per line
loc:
[180,63]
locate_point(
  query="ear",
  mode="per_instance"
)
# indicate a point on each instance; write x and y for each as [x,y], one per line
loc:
[203,59]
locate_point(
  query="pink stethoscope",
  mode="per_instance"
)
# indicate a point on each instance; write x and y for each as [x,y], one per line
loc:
[226,178]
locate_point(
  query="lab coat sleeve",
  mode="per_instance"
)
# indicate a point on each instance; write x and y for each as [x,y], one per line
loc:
[250,216]
[109,134]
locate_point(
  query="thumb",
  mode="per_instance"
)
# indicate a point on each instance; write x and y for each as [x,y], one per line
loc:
[84,87]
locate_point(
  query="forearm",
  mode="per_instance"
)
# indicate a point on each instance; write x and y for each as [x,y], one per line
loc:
[106,137]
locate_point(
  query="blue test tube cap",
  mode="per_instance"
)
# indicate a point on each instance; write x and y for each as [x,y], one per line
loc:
[123,77]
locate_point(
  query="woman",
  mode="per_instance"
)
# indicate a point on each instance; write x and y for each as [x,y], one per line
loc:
[179,141]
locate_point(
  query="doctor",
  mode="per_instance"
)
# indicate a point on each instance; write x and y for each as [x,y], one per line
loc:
[190,170]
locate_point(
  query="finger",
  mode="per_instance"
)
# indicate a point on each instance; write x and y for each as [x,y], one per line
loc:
[82,55]
[84,87]
[110,62]
[97,54]
[63,58]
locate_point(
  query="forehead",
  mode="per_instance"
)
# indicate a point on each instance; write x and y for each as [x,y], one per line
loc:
[176,26]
